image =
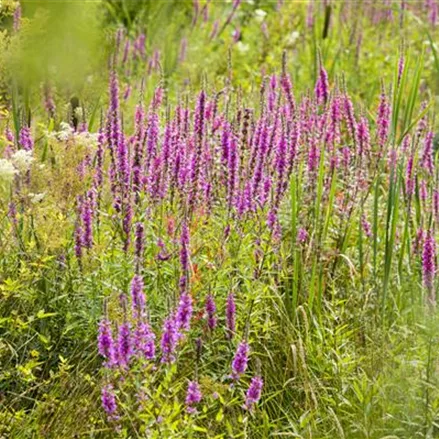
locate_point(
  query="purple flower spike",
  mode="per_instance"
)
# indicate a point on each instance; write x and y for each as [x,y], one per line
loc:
[144,341]
[253,393]
[184,312]
[17,18]
[109,402]
[106,343]
[87,221]
[78,241]
[427,156]
[366,226]
[210,312]
[137,296]
[193,396]
[170,337]
[240,361]
[410,177]
[124,345]
[429,265]
[302,236]
[25,139]
[322,85]
[139,236]
[383,119]
[184,249]
[230,315]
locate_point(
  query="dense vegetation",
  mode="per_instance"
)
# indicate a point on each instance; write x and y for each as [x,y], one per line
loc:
[219,219]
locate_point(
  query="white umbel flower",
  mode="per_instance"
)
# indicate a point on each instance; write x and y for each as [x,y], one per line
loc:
[293,37]
[36,198]
[260,15]
[22,160]
[7,171]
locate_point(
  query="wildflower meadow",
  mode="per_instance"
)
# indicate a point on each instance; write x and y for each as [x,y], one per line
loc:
[219,219]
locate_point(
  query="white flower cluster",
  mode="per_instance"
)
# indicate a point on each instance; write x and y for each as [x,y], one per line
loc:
[86,138]
[36,198]
[292,38]
[7,171]
[19,162]
[63,134]
[67,132]
[260,15]
[22,160]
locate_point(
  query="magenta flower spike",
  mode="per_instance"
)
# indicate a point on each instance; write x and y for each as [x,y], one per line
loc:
[184,312]
[210,308]
[193,396]
[137,296]
[230,315]
[254,393]
[240,361]
[427,155]
[109,403]
[144,340]
[322,85]
[429,261]
[383,120]
[124,345]
[106,344]
[169,340]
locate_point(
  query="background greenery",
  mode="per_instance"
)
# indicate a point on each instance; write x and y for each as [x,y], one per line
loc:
[352,367]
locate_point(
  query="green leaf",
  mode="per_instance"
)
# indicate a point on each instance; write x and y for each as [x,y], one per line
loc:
[43,315]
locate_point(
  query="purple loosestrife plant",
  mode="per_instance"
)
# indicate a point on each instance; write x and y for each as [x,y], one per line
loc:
[240,360]
[87,221]
[367,229]
[106,343]
[49,103]
[349,116]
[224,158]
[184,312]
[17,18]
[401,65]
[137,296]
[230,315]
[79,235]
[429,266]
[124,345]
[436,205]
[193,396]
[427,155]
[184,251]
[232,163]
[253,393]
[144,340]
[410,177]
[210,308]
[322,85]
[383,121]
[109,403]
[152,135]
[363,138]
[280,164]
[98,177]
[12,213]
[333,129]
[199,129]
[138,152]
[169,340]
[139,242]
[25,139]
[302,236]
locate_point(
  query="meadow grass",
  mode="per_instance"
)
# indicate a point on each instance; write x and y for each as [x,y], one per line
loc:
[184,156]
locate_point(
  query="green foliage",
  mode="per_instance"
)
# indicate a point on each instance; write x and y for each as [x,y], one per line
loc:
[338,328]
